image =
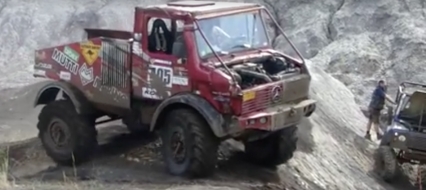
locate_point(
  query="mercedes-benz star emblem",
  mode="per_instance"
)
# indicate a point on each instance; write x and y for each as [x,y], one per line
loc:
[276,94]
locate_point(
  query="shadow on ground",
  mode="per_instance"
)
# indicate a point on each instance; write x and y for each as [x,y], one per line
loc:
[125,158]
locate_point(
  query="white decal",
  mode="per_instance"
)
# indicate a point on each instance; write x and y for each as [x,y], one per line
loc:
[86,74]
[162,61]
[65,75]
[180,80]
[152,93]
[165,74]
[39,72]
[43,66]
[111,90]
[65,61]
[137,49]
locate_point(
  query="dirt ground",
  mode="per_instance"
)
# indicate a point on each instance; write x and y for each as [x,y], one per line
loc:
[128,162]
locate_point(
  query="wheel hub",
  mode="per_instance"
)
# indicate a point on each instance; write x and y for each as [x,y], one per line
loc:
[58,133]
[178,147]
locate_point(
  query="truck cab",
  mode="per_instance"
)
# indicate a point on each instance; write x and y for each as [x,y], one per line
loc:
[196,71]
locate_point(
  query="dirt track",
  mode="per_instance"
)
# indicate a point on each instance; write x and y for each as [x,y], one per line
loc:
[331,155]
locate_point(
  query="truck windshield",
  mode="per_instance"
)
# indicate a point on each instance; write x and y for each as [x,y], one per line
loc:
[231,33]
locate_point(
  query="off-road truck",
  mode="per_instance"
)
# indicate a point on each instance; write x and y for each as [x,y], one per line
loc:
[405,138]
[197,72]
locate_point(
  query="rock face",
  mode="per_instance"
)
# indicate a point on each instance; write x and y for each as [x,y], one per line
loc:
[359,42]
[355,41]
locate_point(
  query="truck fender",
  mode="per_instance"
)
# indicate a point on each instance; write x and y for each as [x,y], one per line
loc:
[203,107]
[48,94]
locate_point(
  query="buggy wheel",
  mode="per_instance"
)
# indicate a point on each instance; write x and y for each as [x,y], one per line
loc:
[68,138]
[275,149]
[386,163]
[189,145]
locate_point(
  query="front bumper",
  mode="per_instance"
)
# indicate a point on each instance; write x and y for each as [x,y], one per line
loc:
[278,117]
[405,140]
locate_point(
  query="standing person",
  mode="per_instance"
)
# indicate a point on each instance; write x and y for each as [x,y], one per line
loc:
[377,103]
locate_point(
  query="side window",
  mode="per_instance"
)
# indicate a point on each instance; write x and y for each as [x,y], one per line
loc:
[160,35]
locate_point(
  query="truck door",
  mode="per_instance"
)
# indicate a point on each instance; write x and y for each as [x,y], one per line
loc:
[165,67]
[112,84]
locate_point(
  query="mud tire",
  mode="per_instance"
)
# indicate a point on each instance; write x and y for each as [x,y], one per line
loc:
[386,163]
[199,142]
[82,141]
[273,150]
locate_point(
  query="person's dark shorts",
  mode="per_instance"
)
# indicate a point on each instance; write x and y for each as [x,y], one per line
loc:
[374,115]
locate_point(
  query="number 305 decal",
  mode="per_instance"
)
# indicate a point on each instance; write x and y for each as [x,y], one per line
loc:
[164,73]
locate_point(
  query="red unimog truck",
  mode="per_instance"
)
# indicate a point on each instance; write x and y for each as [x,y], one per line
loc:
[197,72]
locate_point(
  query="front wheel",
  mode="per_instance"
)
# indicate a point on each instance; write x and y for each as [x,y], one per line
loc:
[386,163]
[189,145]
[68,137]
[275,149]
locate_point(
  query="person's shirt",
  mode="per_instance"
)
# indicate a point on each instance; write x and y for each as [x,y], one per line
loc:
[378,98]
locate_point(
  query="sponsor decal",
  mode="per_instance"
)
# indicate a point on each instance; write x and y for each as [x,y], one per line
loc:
[39,72]
[86,74]
[116,93]
[164,73]
[178,80]
[165,62]
[65,61]
[65,75]
[40,55]
[42,66]
[71,53]
[90,52]
[151,93]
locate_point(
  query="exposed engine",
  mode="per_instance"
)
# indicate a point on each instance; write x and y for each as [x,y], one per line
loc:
[259,72]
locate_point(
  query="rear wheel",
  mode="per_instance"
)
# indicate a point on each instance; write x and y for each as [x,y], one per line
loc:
[189,145]
[275,149]
[386,163]
[68,138]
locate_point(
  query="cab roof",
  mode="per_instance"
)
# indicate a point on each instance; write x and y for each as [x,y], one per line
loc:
[198,8]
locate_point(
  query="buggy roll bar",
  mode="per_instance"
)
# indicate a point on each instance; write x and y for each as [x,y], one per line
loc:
[404,85]
[413,84]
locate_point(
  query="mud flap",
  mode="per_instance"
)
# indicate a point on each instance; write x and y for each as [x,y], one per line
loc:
[203,107]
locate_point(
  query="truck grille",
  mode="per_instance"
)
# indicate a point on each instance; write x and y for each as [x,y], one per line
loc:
[292,90]
[417,141]
[261,101]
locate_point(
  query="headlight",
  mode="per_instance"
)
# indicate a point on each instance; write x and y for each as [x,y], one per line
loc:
[402,138]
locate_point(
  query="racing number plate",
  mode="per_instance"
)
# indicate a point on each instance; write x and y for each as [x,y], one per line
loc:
[249,96]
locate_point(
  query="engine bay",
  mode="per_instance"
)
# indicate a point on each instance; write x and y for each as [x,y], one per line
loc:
[261,71]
